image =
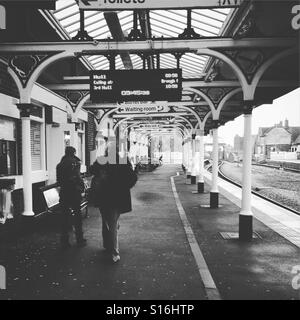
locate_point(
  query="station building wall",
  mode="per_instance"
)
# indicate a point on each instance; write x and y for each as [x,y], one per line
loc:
[49,137]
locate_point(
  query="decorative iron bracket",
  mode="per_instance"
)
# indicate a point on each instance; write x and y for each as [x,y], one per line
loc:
[82,34]
[135,33]
[25,65]
[73,97]
[189,32]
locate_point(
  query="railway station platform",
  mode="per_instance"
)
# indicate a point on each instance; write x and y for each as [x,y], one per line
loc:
[171,249]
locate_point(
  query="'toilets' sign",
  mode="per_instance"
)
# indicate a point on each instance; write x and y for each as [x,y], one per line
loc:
[155,4]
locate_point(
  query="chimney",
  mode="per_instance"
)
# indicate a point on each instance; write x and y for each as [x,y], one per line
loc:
[280,124]
[286,123]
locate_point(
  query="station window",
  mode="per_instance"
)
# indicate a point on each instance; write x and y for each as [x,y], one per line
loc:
[36,146]
[81,126]
[8,147]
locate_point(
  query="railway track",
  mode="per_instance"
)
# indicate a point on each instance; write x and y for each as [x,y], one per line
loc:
[224,177]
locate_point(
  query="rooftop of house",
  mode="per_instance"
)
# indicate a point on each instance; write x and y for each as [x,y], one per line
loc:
[297,141]
[294,131]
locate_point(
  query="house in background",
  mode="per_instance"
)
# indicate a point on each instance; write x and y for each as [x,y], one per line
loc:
[280,141]
[296,146]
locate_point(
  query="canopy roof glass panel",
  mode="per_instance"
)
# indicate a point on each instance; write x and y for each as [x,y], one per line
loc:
[163,23]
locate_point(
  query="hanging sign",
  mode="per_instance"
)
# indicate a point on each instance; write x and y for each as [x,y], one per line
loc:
[155,4]
[149,126]
[133,109]
[40,4]
[136,85]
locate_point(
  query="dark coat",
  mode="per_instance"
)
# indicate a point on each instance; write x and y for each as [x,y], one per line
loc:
[69,180]
[111,186]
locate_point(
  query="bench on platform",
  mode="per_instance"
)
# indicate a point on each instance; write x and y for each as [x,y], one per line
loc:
[146,166]
[51,197]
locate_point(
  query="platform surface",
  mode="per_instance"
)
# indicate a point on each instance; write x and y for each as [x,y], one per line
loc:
[156,258]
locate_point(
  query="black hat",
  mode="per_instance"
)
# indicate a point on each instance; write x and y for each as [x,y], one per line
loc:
[70,151]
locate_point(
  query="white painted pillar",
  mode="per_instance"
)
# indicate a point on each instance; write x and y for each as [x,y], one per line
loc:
[214,193]
[189,158]
[186,153]
[246,215]
[190,155]
[143,150]
[184,161]
[201,163]
[25,110]
[139,150]
[193,164]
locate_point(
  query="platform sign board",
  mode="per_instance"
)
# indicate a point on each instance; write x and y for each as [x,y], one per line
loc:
[150,126]
[135,85]
[134,109]
[155,4]
[40,4]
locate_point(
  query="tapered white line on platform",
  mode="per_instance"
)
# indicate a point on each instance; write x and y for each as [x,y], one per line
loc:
[210,287]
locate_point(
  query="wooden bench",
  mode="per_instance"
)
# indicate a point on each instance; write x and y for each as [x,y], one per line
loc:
[51,197]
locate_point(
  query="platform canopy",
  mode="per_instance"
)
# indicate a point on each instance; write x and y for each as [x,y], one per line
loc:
[232,53]
[164,23]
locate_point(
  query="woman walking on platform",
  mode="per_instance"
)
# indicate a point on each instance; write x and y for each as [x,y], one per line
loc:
[110,192]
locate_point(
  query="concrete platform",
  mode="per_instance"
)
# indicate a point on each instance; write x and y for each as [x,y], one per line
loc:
[156,258]
[259,270]
[283,221]
[156,262]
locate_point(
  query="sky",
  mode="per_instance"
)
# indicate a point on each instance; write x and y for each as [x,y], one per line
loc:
[285,107]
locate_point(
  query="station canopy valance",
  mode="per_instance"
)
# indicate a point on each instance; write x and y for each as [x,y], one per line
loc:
[163,23]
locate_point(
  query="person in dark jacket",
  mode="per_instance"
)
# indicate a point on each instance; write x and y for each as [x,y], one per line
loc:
[71,192]
[111,188]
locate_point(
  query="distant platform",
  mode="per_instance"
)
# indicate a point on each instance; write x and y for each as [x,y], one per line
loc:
[289,161]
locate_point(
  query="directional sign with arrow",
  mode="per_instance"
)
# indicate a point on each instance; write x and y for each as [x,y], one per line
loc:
[143,109]
[155,4]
